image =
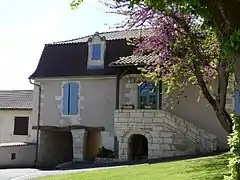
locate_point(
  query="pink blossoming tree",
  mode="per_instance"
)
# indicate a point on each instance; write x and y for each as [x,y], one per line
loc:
[183,52]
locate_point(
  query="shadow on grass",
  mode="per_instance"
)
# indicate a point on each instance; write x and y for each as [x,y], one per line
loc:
[208,170]
[85,165]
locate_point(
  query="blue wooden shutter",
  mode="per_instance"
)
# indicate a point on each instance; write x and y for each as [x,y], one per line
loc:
[74,89]
[96,51]
[65,99]
[237,103]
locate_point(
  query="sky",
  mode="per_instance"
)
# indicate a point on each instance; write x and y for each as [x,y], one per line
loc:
[26,25]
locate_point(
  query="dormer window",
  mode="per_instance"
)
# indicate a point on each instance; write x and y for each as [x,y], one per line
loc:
[96,52]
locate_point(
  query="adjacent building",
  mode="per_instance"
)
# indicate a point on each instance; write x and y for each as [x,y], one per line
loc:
[17,139]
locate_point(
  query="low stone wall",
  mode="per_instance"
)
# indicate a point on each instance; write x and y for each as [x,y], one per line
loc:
[167,134]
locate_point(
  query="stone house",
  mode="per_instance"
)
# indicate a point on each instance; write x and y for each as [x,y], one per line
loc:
[17,139]
[89,97]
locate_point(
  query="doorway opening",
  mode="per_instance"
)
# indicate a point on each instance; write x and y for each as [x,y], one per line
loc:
[137,147]
[55,147]
[92,145]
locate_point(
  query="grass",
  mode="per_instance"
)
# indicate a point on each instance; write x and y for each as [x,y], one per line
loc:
[207,168]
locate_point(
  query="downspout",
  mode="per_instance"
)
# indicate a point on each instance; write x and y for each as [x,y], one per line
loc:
[38,118]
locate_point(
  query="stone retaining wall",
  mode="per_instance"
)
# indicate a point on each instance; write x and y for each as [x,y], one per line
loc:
[167,134]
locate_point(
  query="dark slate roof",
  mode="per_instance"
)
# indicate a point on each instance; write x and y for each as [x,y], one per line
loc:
[69,58]
[16,100]
[132,61]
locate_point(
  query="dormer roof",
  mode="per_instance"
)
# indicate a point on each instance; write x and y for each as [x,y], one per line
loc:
[69,58]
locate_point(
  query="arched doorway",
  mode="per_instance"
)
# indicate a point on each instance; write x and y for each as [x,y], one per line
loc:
[137,147]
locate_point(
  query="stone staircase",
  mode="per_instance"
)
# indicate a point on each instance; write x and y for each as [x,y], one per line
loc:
[167,134]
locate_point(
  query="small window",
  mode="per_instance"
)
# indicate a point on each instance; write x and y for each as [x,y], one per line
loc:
[148,96]
[96,51]
[13,156]
[70,99]
[21,125]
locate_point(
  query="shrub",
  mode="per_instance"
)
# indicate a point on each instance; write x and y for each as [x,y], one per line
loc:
[234,142]
[105,153]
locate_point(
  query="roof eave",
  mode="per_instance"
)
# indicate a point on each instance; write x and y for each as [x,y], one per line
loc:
[126,65]
[19,109]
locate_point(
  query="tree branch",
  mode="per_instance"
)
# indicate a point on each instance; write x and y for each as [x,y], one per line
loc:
[217,105]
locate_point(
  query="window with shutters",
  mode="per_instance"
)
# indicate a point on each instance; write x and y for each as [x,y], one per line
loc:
[21,125]
[96,52]
[70,99]
[148,97]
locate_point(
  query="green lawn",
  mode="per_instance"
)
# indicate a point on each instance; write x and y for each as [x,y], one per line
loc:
[208,168]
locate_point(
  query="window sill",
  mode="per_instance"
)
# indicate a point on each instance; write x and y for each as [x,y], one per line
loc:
[66,115]
[148,107]
[27,135]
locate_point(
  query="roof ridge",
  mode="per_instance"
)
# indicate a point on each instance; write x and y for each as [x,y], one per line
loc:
[100,33]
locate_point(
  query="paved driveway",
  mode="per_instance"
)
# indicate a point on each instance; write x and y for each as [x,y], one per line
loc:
[7,174]
[26,174]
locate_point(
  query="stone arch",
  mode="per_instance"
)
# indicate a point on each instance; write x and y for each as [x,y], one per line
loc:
[137,147]
[123,136]
[141,132]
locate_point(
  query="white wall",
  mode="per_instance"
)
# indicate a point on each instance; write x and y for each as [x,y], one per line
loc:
[97,104]
[25,156]
[107,141]
[7,126]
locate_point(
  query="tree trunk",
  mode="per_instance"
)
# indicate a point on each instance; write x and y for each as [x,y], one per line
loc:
[225,14]
[223,78]
[222,115]
[219,103]
[236,67]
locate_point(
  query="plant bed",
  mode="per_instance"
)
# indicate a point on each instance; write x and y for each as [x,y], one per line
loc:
[102,160]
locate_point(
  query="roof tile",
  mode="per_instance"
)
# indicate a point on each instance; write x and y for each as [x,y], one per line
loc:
[16,99]
[112,35]
[132,61]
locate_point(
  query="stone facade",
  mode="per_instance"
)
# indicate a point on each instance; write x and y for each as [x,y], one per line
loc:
[167,135]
